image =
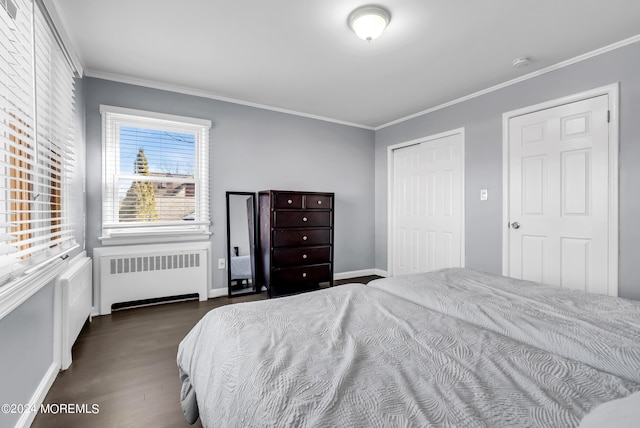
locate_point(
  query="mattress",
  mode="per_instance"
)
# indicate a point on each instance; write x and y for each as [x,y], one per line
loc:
[357,355]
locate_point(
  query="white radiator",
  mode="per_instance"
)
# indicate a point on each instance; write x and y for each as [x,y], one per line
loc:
[132,273]
[76,288]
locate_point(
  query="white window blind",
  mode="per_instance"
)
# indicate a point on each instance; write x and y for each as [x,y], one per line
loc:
[36,142]
[155,174]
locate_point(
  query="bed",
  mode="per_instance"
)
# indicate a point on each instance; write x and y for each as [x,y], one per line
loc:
[449,348]
[241,267]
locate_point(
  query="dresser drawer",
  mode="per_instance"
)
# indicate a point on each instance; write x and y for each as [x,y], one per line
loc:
[287,200]
[302,218]
[295,237]
[316,273]
[283,257]
[318,202]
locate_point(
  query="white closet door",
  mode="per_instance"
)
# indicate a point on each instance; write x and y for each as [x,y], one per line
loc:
[559,195]
[427,205]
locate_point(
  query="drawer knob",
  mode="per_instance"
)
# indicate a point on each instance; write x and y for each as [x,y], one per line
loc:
[304,219]
[304,238]
[304,256]
[319,202]
[289,201]
[304,274]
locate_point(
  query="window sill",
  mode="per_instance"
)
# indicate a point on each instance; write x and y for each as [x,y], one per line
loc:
[17,291]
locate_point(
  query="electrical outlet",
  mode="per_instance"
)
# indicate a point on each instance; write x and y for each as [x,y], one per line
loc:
[222,263]
[484,194]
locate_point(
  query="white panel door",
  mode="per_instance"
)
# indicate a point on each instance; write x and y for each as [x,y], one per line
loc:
[427,205]
[559,195]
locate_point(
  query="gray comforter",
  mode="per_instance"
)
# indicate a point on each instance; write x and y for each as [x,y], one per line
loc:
[359,356]
[601,331]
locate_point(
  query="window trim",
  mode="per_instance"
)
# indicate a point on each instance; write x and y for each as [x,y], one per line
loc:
[116,233]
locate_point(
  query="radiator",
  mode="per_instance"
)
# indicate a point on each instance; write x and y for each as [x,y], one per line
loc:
[141,272]
[76,288]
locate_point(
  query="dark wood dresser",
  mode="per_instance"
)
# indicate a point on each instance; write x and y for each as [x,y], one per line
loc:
[296,240]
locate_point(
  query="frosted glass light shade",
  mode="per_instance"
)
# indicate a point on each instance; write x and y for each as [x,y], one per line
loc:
[368,22]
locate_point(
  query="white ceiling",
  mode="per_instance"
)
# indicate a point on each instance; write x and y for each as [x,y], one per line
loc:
[300,56]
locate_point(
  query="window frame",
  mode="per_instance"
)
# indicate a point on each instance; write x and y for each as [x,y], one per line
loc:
[115,232]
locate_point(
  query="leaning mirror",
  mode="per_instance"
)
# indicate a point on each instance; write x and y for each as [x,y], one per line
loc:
[241,243]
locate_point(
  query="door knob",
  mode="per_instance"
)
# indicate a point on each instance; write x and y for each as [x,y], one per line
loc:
[515,225]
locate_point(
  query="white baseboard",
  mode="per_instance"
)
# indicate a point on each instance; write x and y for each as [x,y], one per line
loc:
[358,273]
[382,273]
[212,294]
[223,292]
[218,292]
[38,396]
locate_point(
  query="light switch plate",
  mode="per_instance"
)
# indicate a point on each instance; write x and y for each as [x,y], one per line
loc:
[222,263]
[484,194]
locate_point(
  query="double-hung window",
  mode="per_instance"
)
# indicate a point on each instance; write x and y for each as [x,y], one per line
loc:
[155,184]
[37,142]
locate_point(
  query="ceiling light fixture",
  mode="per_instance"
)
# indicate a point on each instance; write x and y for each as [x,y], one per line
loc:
[368,22]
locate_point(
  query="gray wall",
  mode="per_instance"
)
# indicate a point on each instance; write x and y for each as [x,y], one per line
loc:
[26,335]
[251,150]
[482,119]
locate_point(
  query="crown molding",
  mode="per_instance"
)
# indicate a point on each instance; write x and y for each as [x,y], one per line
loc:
[499,86]
[204,94]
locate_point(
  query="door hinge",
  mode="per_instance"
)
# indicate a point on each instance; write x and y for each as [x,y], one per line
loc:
[608,116]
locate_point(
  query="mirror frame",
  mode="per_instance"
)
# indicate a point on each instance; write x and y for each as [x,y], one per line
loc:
[253,247]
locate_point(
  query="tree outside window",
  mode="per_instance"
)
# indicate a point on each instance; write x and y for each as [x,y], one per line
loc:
[140,202]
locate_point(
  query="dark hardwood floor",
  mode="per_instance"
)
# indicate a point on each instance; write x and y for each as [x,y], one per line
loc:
[126,364]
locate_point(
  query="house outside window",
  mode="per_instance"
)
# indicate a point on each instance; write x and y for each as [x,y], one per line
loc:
[155,177]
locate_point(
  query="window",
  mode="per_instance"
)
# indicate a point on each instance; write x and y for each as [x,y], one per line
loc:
[155,176]
[36,142]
